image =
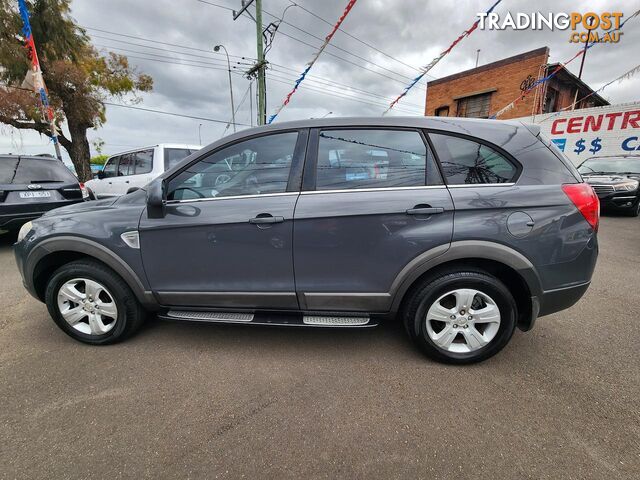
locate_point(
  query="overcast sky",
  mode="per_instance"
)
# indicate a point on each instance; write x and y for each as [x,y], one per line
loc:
[390,37]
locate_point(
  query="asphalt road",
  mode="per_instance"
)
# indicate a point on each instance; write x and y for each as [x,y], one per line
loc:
[209,401]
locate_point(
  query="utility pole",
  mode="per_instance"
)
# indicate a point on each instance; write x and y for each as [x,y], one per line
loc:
[257,70]
[262,86]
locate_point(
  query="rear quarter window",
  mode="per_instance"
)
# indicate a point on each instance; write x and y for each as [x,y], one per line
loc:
[465,161]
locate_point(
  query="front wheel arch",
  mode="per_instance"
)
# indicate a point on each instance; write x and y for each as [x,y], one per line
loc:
[46,257]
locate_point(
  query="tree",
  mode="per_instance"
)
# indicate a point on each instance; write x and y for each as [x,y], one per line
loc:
[78,78]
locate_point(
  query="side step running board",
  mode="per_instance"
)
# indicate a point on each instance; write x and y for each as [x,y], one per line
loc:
[224,317]
[272,318]
[335,321]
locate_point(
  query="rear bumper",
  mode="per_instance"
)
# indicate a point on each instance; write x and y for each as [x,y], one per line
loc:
[12,218]
[553,301]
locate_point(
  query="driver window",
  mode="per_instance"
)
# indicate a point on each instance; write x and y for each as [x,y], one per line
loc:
[253,167]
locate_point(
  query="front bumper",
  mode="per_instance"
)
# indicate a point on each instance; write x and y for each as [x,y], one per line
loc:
[619,200]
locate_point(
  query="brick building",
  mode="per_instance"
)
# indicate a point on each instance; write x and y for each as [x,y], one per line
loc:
[482,91]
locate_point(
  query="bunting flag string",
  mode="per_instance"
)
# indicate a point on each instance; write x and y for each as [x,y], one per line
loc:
[556,70]
[621,78]
[313,60]
[434,62]
[34,79]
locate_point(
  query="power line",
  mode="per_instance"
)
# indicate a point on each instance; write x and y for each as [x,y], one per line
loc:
[311,77]
[313,88]
[322,80]
[161,43]
[159,49]
[160,56]
[354,37]
[340,48]
[212,66]
[315,47]
[341,88]
[215,120]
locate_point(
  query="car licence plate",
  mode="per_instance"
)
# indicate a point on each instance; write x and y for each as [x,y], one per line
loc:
[34,194]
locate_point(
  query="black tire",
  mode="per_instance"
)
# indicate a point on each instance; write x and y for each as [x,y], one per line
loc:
[431,289]
[130,315]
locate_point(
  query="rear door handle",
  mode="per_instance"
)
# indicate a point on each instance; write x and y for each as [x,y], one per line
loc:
[265,218]
[424,210]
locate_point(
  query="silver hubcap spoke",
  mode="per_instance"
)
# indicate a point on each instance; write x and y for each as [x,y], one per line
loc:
[463,320]
[87,306]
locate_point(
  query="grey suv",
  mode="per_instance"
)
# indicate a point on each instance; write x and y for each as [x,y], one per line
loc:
[462,229]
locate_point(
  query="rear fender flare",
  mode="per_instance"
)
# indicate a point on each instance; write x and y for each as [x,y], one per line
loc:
[459,251]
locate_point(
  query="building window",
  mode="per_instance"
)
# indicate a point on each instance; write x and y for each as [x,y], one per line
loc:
[476,106]
[442,111]
[551,101]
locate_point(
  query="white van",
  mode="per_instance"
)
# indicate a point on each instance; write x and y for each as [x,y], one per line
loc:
[136,168]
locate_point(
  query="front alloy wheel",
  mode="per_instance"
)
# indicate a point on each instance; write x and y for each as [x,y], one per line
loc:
[87,306]
[92,303]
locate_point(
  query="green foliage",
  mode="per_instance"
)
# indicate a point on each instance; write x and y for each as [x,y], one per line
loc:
[99,159]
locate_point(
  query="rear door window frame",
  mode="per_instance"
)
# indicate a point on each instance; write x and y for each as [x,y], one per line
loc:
[310,167]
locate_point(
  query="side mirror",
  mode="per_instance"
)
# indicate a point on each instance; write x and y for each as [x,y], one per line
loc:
[156,199]
[100,174]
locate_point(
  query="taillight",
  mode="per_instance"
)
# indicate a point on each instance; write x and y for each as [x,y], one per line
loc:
[83,189]
[585,200]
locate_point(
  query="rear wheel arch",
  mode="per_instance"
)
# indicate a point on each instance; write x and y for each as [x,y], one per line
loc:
[504,263]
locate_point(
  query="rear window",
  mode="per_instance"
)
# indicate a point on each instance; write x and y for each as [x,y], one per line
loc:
[8,169]
[173,156]
[33,170]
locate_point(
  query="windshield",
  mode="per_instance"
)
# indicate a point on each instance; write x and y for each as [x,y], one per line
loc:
[27,170]
[610,165]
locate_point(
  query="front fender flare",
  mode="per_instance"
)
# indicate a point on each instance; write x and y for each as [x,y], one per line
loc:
[69,243]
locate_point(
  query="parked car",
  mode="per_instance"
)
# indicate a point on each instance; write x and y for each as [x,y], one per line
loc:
[32,185]
[615,180]
[462,229]
[135,168]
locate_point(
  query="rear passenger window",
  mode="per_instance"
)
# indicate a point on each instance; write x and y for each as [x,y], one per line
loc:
[143,162]
[468,162]
[352,159]
[125,163]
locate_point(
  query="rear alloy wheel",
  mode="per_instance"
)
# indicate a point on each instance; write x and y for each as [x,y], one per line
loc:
[461,317]
[463,320]
[92,304]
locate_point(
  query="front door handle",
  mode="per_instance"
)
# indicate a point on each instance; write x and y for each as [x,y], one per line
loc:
[424,210]
[265,218]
